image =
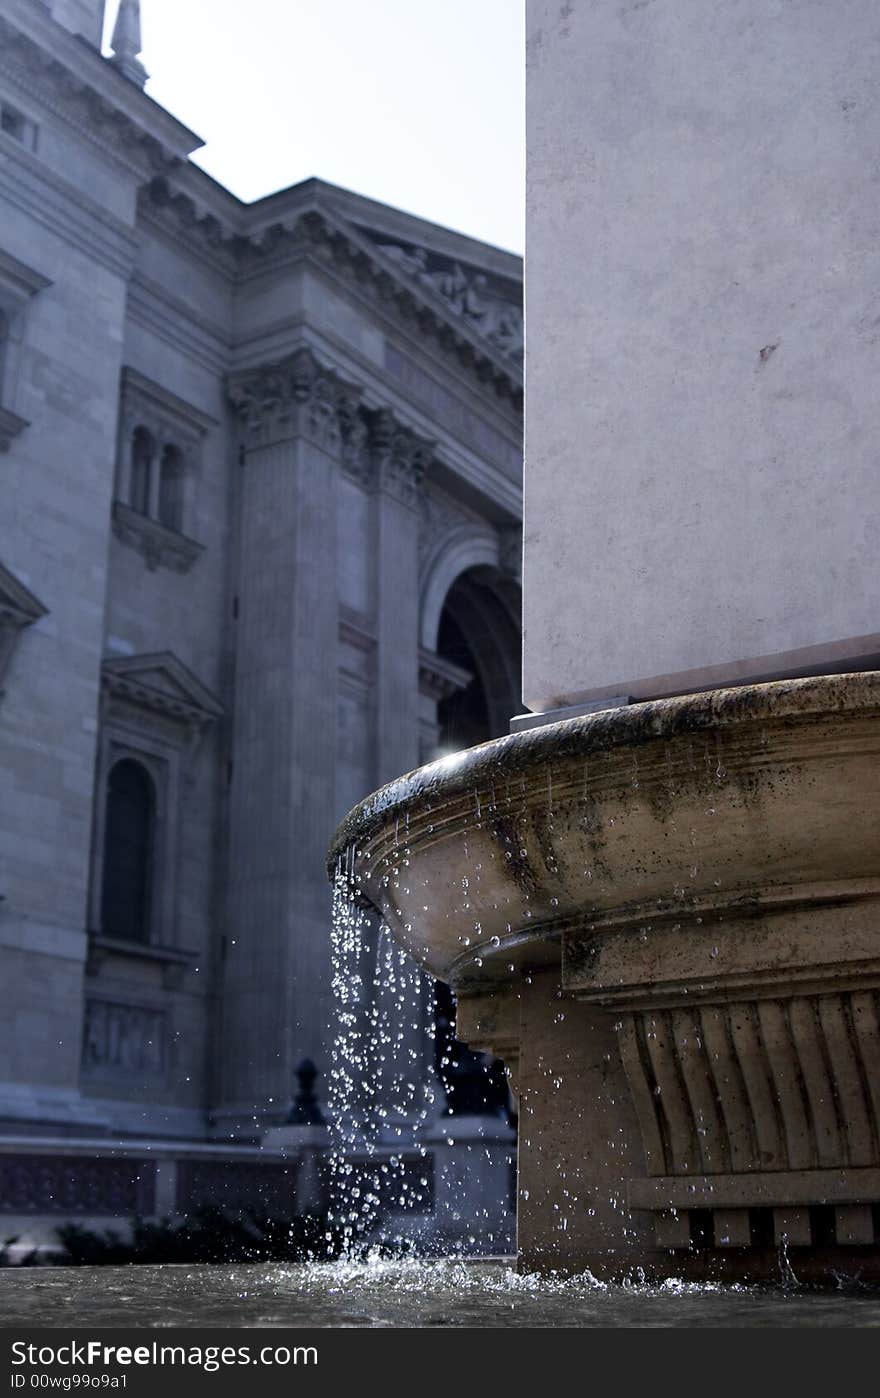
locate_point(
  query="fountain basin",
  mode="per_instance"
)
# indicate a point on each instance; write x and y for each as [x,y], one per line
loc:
[665,919]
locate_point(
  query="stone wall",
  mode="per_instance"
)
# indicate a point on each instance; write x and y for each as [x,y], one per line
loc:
[703,200]
[263,655]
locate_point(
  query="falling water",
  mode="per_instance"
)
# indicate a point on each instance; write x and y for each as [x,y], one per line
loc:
[381,1096]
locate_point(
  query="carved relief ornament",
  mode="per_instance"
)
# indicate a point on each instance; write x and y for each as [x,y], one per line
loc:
[400,457]
[294,397]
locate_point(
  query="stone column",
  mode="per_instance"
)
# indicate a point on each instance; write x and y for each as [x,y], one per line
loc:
[399,458]
[276,999]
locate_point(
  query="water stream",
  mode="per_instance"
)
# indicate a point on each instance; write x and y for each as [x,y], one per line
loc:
[381,1100]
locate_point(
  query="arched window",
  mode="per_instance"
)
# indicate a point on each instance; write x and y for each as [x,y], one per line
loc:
[142,449]
[171,488]
[128,852]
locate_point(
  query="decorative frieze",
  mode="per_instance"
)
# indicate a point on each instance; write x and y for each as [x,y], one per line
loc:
[124,1038]
[489,306]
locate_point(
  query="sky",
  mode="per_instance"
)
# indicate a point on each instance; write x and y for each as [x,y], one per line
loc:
[418,103]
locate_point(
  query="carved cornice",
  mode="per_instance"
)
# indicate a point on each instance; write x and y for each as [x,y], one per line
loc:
[160,547]
[86,101]
[154,405]
[400,457]
[294,397]
[177,215]
[18,281]
[160,685]
[440,678]
[318,237]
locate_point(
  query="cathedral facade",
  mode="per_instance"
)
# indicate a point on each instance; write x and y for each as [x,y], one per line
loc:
[259,553]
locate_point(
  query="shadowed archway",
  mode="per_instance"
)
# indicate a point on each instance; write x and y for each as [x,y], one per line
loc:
[477,634]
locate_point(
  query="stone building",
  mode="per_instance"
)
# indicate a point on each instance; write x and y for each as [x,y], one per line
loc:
[259,552]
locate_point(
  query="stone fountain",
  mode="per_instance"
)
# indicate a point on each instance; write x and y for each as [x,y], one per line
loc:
[664,919]
[660,904]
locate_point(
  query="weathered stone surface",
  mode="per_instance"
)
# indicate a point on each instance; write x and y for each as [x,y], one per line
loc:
[665,918]
[224,428]
[703,347]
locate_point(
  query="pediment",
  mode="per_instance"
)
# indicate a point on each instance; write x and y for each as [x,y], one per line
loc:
[480,285]
[162,684]
[488,305]
[18,605]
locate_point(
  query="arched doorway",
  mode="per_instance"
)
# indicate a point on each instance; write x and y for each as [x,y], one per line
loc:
[479,635]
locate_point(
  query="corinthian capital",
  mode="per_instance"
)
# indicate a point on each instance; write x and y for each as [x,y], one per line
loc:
[400,457]
[295,397]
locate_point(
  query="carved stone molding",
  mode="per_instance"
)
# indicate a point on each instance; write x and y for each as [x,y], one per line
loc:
[171,961]
[78,91]
[440,678]
[124,1039]
[19,608]
[769,1104]
[160,445]
[400,457]
[357,460]
[160,547]
[318,236]
[489,306]
[161,686]
[296,397]
[167,416]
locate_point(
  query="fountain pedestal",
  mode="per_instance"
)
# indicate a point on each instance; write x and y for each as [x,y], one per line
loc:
[666,919]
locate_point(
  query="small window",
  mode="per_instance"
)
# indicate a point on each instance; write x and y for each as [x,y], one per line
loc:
[171,488]
[142,452]
[126,895]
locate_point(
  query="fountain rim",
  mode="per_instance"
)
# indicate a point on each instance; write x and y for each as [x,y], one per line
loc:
[797,701]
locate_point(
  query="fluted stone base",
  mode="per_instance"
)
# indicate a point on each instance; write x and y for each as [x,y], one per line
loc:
[669,928]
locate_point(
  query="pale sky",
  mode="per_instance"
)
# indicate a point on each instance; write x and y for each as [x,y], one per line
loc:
[418,103]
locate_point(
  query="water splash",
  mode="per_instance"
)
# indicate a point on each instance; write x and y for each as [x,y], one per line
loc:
[382,1095]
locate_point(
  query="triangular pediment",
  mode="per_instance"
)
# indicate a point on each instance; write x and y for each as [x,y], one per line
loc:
[18,605]
[162,683]
[481,286]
